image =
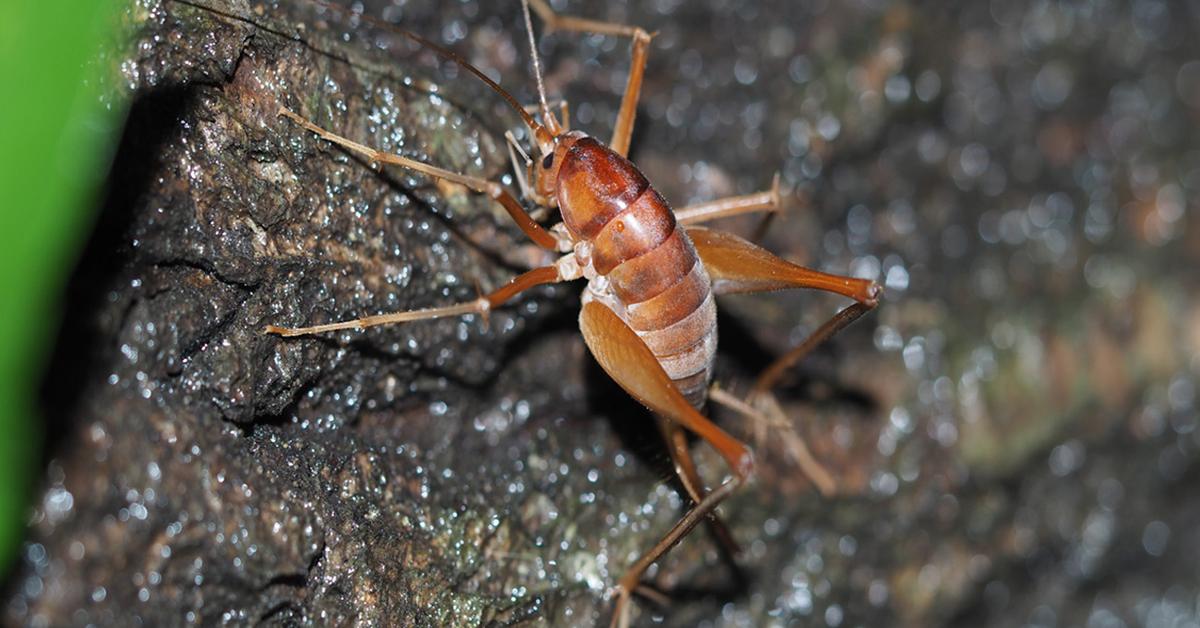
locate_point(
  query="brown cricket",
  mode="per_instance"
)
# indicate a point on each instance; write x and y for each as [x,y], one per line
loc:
[648,315]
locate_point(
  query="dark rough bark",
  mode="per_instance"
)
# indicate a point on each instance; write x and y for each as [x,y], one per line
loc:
[1013,431]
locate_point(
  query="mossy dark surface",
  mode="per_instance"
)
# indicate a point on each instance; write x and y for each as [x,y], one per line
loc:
[1013,431]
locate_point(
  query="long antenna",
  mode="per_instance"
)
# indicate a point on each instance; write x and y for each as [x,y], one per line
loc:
[543,136]
[537,70]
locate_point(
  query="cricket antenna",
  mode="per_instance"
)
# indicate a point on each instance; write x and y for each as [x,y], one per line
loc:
[547,117]
[543,136]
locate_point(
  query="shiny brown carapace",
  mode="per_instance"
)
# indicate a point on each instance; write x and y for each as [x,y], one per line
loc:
[648,315]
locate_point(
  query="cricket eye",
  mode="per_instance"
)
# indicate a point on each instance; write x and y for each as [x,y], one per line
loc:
[548,161]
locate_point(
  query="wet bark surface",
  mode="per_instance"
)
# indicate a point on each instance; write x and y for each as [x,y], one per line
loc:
[1013,431]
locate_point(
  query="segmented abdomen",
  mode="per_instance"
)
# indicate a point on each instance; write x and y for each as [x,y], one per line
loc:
[662,289]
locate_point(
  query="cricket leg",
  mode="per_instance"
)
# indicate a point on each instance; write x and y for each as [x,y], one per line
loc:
[770,376]
[737,266]
[523,165]
[685,469]
[497,192]
[764,201]
[627,359]
[564,110]
[482,305]
[629,582]
[771,418]
[623,129]
[522,168]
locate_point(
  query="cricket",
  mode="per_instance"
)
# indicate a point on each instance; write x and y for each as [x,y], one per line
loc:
[648,315]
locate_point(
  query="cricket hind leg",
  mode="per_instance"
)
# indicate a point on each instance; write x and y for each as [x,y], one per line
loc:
[771,375]
[766,416]
[631,581]
[762,408]
[685,469]
[738,266]
[627,359]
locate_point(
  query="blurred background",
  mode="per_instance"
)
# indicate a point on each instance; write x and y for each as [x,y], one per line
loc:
[1013,430]
[59,122]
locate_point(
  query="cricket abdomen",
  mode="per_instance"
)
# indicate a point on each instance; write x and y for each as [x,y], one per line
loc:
[644,264]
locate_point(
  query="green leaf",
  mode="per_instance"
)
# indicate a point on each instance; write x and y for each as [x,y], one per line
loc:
[56,139]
